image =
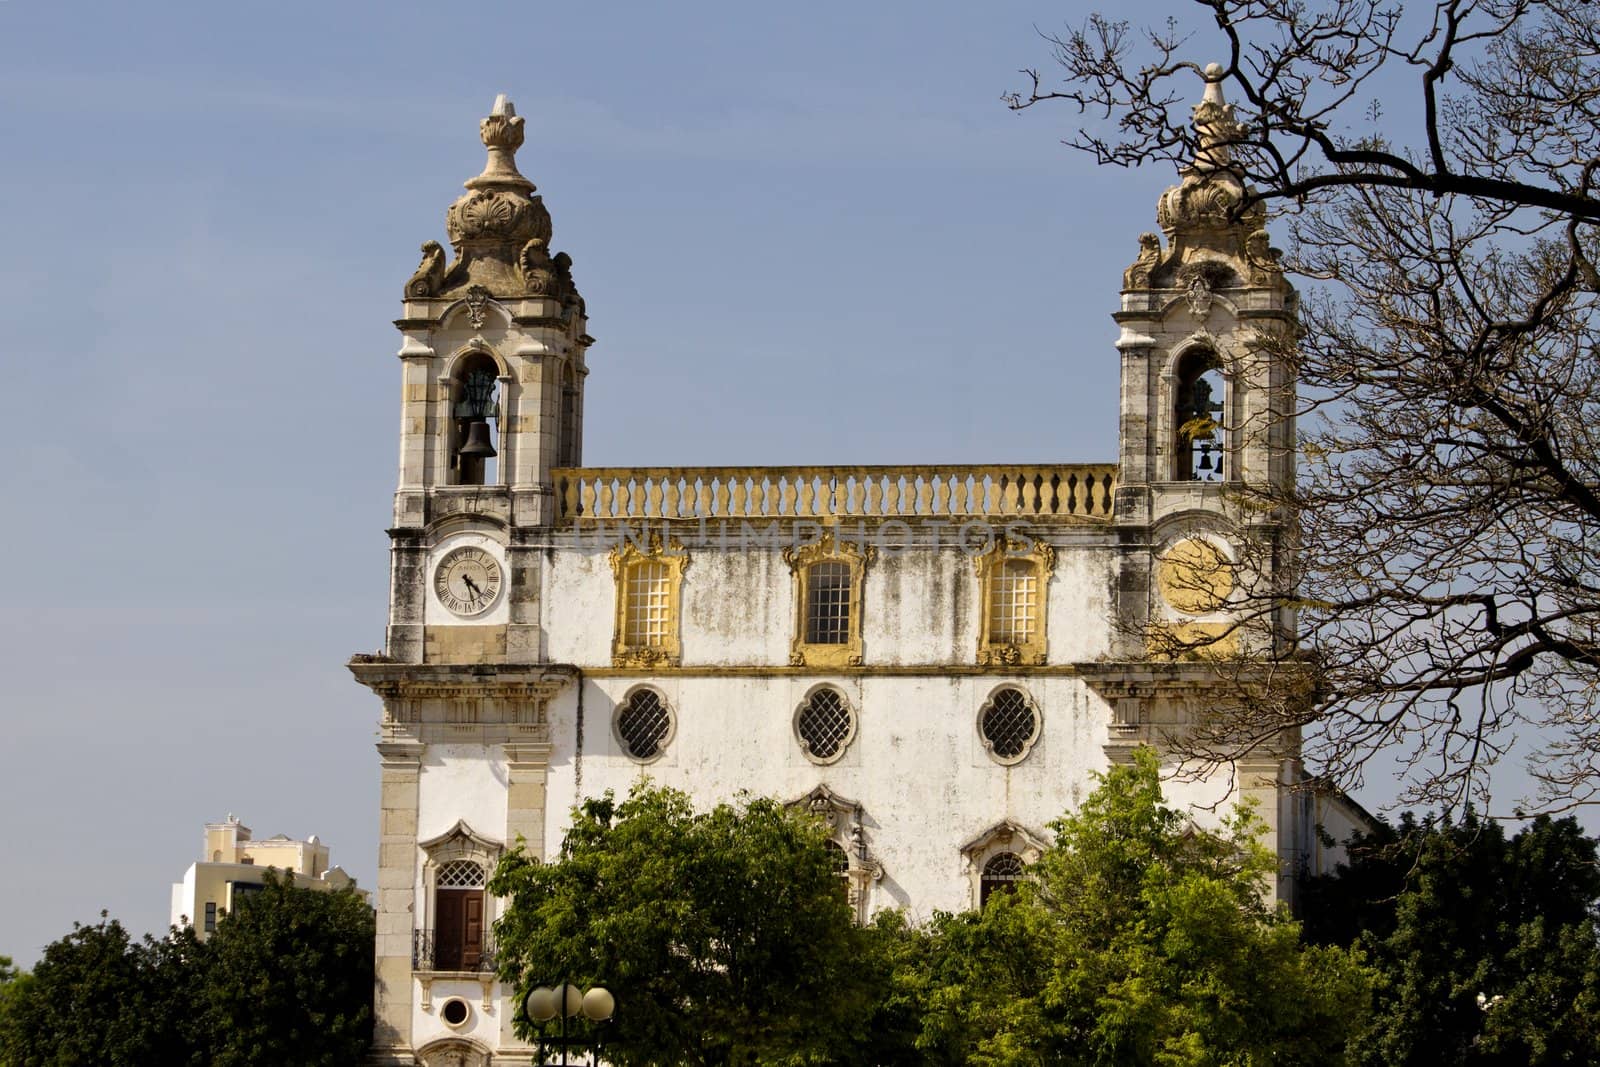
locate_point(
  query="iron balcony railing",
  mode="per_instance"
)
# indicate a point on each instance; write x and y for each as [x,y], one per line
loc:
[425,955]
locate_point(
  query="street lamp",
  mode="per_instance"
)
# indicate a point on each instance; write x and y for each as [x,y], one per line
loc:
[564,1002]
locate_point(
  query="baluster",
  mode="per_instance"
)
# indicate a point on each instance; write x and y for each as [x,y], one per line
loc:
[858,494]
[924,492]
[669,498]
[874,494]
[702,496]
[586,497]
[605,497]
[1030,494]
[653,497]
[720,497]
[787,503]
[736,499]
[941,494]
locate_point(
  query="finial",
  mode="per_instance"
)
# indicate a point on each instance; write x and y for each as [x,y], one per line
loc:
[501,133]
[1214,124]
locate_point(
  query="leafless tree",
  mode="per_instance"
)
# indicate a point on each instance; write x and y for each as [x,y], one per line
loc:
[1434,173]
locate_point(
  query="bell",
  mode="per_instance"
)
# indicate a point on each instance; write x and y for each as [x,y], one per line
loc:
[1205,457]
[478,445]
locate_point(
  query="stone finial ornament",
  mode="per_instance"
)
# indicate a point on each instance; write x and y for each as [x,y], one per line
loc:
[1214,233]
[500,230]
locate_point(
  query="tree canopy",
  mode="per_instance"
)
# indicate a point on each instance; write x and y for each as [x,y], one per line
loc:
[287,979]
[1434,170]
[1487,945]
[1139,939]
[724,935]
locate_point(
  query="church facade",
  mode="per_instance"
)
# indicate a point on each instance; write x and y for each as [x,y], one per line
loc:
[933,659]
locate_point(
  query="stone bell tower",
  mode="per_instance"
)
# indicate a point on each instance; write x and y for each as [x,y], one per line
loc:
[492,366]
[1206,420]
[1207,402]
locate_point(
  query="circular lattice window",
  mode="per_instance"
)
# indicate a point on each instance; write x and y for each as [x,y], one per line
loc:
[825,725]
[1008,724]
[644,724]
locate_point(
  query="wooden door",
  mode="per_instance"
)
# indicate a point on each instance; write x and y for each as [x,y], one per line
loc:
[458,929]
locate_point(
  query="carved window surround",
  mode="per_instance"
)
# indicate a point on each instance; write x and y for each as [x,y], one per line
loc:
[460,842]
[624,559]
[1003,836]
[801,558]
[993,648]
[843,819]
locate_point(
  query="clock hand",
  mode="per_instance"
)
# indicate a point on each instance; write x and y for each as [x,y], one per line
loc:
[471,585]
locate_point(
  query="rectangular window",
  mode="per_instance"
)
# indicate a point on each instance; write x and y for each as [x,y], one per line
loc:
[1013,603]
[648,612]
[211,916]
[828,604]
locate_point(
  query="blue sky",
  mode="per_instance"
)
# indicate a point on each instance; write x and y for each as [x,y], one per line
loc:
[806,233]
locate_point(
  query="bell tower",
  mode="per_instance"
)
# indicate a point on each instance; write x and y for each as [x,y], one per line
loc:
[1207,400]
[492,366]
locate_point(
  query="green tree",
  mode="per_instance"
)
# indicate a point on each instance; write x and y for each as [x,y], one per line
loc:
[724,935]
[1139,940]
[91,999]
[287,979]
[1486,945]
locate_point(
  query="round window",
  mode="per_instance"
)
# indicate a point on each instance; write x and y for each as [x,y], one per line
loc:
[455,1012]
[1008,724]
[824,725]
[643,724]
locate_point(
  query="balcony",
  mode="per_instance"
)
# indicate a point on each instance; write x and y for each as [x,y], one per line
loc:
[427,955]
[1021,493]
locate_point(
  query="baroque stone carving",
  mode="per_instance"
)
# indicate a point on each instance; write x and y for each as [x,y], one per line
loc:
[1199,297]
[1137,276]
[477,300]
[429,276]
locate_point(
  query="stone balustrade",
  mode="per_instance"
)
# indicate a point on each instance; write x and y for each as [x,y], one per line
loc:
[1068,492]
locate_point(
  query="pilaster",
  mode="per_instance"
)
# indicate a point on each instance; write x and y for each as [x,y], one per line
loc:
[401,771]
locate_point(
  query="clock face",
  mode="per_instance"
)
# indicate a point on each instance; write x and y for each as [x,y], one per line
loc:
[467,581]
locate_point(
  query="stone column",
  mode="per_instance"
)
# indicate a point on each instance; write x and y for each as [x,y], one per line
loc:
[397,879]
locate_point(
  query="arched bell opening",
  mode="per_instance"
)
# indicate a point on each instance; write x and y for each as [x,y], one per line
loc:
[474,421]
[1198,429]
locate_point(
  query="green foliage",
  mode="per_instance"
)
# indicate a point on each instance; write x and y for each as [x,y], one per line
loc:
[1450,912]
[1138,940]
[287,980]
[88,1001]
[724,935]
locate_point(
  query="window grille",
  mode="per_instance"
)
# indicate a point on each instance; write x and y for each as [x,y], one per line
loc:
[1013,603]
[824,724]
[838,857]
[649,591]
[1000,875]
[643,723]
[460,874]
[1008,723]
[828,603]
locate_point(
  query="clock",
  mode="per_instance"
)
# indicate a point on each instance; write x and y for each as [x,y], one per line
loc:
[467,581]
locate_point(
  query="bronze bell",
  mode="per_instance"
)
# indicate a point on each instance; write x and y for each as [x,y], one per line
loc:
[478,445]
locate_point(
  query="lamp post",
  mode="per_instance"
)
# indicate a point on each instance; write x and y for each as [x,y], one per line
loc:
[564,1002]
